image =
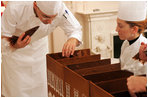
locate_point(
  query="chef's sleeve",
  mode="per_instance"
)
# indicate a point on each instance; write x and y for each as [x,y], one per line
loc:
[8,27]
[70,24]
[8,22]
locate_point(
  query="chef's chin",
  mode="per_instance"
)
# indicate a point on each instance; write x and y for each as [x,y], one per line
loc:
[45,22]
[121,38]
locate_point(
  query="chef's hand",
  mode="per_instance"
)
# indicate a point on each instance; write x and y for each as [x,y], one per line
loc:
[142,55]
[69,47]
[22,43]
[136,84]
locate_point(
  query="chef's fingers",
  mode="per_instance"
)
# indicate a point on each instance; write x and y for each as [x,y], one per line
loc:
[28,41]
[20,37]
[63,50]
[73,50]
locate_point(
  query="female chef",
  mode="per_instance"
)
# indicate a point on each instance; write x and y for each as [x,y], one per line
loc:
[138,84]
[131,23]
[24,64]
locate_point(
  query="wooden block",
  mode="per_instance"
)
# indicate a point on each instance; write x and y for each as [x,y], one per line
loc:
[141,94]
[114,86]
[52,92]
[85,75]
[55,66]
[113,82]
[108,76]
[78,86]
[77,60]
[98,69]
[55,77]
[122,94]
[96,91]
[89,64]
[77,53]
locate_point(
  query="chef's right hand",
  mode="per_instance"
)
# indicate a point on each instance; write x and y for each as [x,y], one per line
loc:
[136,84]
[22,43]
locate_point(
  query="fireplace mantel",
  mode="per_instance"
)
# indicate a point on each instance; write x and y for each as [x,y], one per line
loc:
[98,27]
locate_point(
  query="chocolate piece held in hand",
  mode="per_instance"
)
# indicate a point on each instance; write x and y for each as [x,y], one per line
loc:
[136,57]
[145,52]
[29,32]
[142,55]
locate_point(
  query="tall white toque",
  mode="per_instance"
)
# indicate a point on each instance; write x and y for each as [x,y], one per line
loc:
[49,7]
[132,10]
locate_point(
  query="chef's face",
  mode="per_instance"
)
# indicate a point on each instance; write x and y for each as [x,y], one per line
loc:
[124,30]
[46,19]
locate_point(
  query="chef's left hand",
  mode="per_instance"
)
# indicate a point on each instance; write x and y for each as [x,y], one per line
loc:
[143,48]
[69,47]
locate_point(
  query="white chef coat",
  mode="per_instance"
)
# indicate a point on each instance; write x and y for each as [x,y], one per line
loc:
[127,54]
[24,70]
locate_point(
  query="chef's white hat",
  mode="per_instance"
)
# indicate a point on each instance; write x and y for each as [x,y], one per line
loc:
[49,7]
[132,10]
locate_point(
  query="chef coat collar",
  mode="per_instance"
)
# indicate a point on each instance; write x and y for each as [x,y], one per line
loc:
[132,41]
